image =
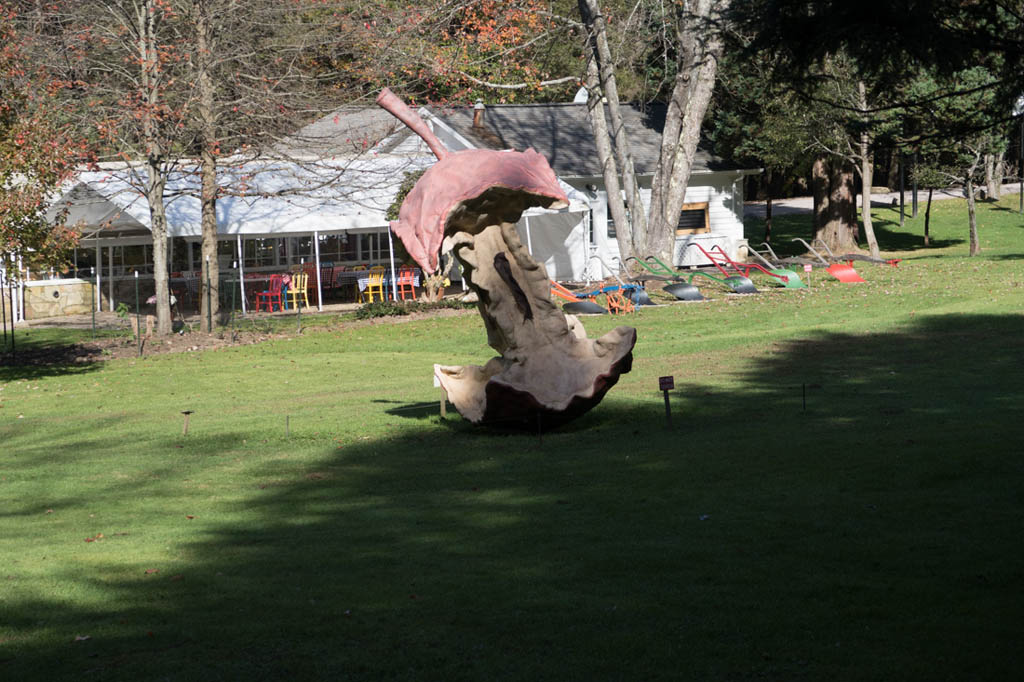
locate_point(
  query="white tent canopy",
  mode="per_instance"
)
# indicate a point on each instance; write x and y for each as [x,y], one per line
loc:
[559,238]
[269,199]
[263,198]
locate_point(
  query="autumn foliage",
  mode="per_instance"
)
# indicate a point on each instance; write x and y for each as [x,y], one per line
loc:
[451,53]
[37,152]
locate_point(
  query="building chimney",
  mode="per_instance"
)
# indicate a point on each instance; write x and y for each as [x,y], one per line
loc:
[478,114]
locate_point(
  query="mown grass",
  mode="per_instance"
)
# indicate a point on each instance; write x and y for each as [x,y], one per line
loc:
[839,497]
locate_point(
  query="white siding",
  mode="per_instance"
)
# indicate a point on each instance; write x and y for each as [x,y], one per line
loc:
[723,193]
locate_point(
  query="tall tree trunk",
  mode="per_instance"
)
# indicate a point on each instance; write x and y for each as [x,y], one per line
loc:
[892,179]
[158,226]
[835,204]
[819,193]
[691,95]
[972,218]
[994,175]
[991,187]
[148,48]
[609,169]
[865,198]
[866,174]
[210,301]
[637,226]
[1000,171]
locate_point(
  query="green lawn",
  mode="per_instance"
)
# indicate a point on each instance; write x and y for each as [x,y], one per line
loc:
[838,498]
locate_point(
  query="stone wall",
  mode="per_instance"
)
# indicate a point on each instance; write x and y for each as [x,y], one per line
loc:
[68,297]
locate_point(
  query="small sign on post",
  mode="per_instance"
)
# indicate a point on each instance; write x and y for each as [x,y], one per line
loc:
[666,384]
[807,269]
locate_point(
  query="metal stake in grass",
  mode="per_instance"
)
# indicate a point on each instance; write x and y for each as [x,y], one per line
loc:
[184,429]
[93,300]
[209,309]
[138,318]
[287,426]
[10,290]
[3,312]
[298,306]
[231,318]
[10,293]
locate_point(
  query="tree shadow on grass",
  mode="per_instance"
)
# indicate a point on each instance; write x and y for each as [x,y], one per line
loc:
[892,237]
[1006,209]
[1003,256]
[872,532]
[30,365]
[26,357]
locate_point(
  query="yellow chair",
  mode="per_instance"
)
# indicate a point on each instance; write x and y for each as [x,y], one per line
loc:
[375,283]
[297,290]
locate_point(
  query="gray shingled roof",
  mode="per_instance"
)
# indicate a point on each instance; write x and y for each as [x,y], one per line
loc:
[562,134]
[348,130]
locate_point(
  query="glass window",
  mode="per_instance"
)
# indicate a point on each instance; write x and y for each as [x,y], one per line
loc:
[302,248]
[693,219]
[369,247]
[132,258]
[347,248]
[611,222]
[85,258]
[179,255]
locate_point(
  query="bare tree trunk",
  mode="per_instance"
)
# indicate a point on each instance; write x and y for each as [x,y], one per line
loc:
[994,175]
[865,198]
[972,218]
[1000,171]
[698,63]
[836,210]
[691,96]
[158,225]
[609,169]
[210,300]
[147,46]
[866,174]
[892,179]
[591,13]
[991,187]
[820,193]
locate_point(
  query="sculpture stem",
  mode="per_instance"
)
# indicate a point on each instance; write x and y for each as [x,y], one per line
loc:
[390,102]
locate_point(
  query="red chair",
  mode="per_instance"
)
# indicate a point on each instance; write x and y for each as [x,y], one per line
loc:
[327,282]
[406,282]
[272,295]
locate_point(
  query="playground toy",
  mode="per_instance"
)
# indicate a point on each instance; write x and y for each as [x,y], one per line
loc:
[844,272]
[469,202]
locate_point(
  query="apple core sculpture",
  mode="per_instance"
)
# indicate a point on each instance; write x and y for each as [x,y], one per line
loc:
[469,202]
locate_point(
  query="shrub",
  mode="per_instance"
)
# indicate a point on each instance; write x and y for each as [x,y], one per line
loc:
[393,308]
